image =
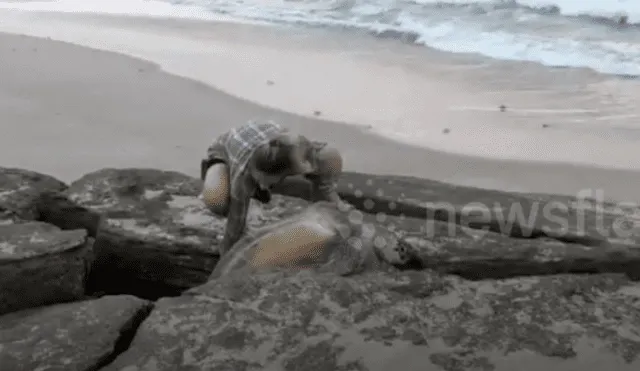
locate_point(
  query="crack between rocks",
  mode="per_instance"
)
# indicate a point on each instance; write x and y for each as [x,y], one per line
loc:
[509,268]
[127,333]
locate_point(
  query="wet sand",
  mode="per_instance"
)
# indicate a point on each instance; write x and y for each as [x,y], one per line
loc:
[68,110]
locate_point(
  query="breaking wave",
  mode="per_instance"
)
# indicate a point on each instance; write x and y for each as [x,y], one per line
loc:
[603,35]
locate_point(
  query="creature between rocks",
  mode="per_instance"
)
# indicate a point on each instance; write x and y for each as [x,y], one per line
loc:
[321,237]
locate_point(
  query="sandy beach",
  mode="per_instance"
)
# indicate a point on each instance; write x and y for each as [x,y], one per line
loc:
[68,109]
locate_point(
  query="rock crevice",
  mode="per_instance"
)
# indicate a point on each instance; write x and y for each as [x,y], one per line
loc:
[127,332]
[85,335]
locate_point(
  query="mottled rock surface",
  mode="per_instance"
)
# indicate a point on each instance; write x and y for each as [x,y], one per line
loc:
[380,321]
[19,192]
[41,264]
[80,336]
[495,285]
[156,237]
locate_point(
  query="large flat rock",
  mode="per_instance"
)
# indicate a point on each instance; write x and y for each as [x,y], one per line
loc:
[41,264]
[80,336]
[155,236]
[19,192]
[585,219]
[380,321]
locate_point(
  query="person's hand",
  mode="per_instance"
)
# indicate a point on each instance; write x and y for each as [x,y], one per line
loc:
[344,206]
[262,195]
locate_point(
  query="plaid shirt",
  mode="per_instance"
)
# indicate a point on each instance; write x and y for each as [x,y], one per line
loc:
[235,148]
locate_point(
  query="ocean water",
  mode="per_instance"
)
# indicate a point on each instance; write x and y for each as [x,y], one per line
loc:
[603,35]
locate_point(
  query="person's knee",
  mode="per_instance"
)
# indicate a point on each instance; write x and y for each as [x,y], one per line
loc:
[330,161]
[215,191]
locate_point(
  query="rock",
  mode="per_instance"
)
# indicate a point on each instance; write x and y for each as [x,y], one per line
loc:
[156,238]
[471,232]
[321,237]
[380,321]
[76,336]
[477,254]
[478,233]
[56,208]
[41,265]
[19,192]
[568,219]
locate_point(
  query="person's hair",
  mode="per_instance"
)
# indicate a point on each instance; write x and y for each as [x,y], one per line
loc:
[274,157]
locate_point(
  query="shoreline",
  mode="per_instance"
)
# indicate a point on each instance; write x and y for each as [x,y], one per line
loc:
[127,112]
[362,81]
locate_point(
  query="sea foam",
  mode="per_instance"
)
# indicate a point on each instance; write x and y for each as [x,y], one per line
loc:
[598,34]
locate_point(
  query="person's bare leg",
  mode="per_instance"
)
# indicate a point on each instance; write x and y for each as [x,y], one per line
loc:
[215,191]
[329,164]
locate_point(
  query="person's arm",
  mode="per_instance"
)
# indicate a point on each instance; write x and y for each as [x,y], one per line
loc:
[241,192]
[328,163]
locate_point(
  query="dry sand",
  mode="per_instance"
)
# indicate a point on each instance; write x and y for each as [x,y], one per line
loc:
[67,110]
